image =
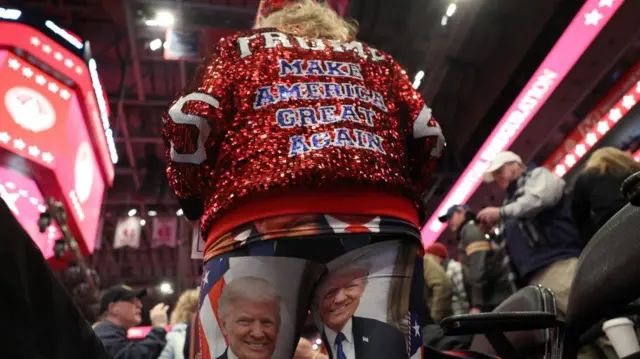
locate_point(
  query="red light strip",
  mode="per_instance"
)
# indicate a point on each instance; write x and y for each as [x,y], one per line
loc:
[599,130]
[585,26]
[619,90]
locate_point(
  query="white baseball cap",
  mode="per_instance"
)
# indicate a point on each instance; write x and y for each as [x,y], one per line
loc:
[500,160]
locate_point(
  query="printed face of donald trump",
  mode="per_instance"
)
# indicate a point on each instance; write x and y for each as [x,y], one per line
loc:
[339,295]
[250,314]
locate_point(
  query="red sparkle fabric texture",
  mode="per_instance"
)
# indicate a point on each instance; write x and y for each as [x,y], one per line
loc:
[270,111]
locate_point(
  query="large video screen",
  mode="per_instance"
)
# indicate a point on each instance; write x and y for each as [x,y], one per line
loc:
[41,120]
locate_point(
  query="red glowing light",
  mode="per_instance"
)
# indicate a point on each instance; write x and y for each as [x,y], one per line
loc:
[13,34]
[43,122]
[24,199]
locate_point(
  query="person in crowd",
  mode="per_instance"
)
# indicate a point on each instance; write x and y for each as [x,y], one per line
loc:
[38,318]
[121,309]
[438,290]
[337,300]
[249,310]
[596,193]
[486,272]
[184,310]
[542,239]
[453,268]
[297,121]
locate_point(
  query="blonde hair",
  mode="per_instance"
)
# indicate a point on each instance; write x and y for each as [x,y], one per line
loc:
[310,19]
[186,307]
[612,161]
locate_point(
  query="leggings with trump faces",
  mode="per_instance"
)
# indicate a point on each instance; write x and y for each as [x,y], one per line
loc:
[364,293]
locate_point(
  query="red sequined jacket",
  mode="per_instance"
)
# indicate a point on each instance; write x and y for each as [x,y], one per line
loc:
[275,124]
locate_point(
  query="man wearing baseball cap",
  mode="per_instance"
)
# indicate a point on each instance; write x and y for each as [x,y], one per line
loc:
[120,309]
[485,271]
[542,239]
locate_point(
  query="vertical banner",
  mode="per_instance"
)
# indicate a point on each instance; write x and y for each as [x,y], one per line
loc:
[127,233]
[197,245]
[164,232]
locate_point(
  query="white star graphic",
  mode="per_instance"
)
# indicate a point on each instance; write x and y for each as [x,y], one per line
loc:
[35,41]
[10,199]
[4,137]
[638,87]
[68,63]
[603,127]
[47,157]
[19,144]
[58,56]
[46,49]
[592,18]
[591,139]
[570,160]
[65,94]
[14,64]
[205,279]
[34,151]
[580,150]
[615,114]
[604,3]
[10,185]
[41,80]
[53,87]
[27,72]
[79,70]
[416,328]
[628,102]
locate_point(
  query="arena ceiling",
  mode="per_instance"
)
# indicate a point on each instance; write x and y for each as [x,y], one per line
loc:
[474,63]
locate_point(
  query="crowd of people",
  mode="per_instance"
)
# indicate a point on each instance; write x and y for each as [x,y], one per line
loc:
[536,236]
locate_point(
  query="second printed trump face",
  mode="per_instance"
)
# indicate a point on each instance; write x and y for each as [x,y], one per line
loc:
[250,316]
[339,296]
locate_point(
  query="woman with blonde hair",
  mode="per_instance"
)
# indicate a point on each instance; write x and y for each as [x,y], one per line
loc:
[596,194]
[186,307]
[296,143]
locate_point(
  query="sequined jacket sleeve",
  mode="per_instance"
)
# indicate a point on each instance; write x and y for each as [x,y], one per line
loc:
[425,141]
[193,126]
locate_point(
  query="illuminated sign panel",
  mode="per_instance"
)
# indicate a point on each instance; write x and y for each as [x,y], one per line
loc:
[71,66]
[587,24]
[43,122]
[615,105]
[26,203]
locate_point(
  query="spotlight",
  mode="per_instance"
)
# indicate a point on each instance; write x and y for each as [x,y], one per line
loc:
[451,9]
[318,341]
[165,18]
[143,222]
[132,212]
[179,212]
[155,44]
[315,346]
[162,19]
[166,288]
[152,213]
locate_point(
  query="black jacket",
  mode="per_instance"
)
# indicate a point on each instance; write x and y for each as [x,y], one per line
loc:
[486,272]
[538,225]
[38,319]
[596,198]
[119,346]
[375,340]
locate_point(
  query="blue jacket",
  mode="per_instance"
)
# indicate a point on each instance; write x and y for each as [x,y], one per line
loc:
[538,225]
